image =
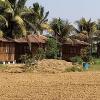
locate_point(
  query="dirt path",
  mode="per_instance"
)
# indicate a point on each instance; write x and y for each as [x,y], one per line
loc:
[68,86]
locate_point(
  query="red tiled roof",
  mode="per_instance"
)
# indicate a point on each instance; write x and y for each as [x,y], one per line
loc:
[32,39]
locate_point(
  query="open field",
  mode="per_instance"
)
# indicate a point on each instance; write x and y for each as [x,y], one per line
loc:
[62,86]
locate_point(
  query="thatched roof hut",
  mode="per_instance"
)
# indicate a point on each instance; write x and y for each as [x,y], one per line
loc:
[80,36]
[72,47]
[12,49]
[74,42]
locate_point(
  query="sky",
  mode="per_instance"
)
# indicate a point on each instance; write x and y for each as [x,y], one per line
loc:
[70,9]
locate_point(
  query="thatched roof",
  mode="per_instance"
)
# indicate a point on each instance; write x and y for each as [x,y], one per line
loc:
[80,36]
[74,42]
[67,41]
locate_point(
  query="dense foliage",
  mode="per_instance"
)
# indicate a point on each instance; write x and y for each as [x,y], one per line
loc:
[52,49]
[16,19]
[61,28]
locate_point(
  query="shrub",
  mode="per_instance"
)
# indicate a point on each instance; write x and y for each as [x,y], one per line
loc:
[74,69]
[52,49]
[28,60]
[76,59]
[92,60]
[85,54]
[40,54]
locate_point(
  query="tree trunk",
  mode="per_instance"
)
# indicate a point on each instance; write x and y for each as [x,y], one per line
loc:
[91,43]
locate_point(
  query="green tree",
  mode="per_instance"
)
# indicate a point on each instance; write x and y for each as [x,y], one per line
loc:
[61,28]
[11,21]
[38,18]
[52,48]
[88,27]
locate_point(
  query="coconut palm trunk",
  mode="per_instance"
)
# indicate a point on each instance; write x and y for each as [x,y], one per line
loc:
[91,43]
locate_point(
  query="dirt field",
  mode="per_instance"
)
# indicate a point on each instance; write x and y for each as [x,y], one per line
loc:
[62,86]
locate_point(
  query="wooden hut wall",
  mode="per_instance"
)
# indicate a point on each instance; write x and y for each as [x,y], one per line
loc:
[7,51]
[23,48]
[69,51]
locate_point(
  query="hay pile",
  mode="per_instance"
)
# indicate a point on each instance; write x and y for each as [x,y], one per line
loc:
[43,66]
[52,66]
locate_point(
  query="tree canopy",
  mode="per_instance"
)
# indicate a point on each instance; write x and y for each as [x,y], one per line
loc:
[61,28]
[16,19]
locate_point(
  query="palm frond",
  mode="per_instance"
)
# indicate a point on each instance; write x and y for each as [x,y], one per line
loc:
[26,12]
[30,25]
[9,10]
[1,33]
[45,17]
[3,20]
[36,7]
[13,2]
[21,3]
[5,4]
[42,11]
[21,24]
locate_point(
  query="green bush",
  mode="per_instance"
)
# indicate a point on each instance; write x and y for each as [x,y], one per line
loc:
[85,54]
[28,60]
[76,59]
[52,49]
[91,60]
[74,69]
[40,54]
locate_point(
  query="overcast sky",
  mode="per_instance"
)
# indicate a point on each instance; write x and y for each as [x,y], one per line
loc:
[70,9]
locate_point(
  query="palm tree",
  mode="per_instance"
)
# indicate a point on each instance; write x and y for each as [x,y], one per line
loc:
[61,28]
[38,18]
[88,27]
[11,21]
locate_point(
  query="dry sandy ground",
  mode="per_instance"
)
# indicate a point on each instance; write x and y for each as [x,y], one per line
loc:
[64,86]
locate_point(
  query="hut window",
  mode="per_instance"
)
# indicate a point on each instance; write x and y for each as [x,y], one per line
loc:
[26,49]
